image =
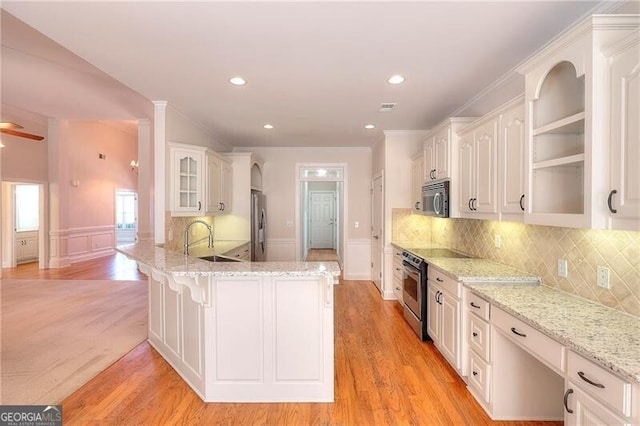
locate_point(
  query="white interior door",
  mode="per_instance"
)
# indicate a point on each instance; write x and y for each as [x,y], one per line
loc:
[322,220]
[377,232]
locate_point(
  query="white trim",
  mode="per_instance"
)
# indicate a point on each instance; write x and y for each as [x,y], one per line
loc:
[357,270]
[91,244]
[159,169]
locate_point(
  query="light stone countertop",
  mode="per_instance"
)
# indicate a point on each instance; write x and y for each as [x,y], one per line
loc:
[177,264]
[604,335]
[220,248]
[479,270]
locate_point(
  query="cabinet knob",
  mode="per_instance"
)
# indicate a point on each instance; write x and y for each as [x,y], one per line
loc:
[475,373]
[398,288]
[440,280]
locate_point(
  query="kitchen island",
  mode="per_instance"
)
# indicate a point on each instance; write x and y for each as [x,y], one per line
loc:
[242,331]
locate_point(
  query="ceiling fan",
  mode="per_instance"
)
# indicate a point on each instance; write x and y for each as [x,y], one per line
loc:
[10,129]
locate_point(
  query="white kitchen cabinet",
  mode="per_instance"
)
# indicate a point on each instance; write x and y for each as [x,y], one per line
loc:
[187,180]
[26,246]
[219,184]
[582,410]
[242,253]
[478,170]
[623,59]
[417,180]
[567,116]
[398,275]
[440,146]
[511,146]
[200,181]
[444,313]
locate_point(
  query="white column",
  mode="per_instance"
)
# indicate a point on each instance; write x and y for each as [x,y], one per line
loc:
[145,181]
[159,150]
[60,180]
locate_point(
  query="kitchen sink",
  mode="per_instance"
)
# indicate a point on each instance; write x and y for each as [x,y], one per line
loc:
[218,258]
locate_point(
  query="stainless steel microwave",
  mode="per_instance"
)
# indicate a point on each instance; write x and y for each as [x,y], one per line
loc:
[435,198]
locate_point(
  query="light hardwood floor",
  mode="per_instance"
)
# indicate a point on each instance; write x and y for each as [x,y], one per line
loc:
[384,376]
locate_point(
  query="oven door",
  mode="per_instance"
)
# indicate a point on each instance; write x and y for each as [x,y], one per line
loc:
[412,290]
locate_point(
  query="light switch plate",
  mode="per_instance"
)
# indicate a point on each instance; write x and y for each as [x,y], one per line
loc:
[603,277]
[562,268]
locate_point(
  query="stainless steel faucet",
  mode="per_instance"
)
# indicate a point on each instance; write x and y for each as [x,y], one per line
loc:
[186,234]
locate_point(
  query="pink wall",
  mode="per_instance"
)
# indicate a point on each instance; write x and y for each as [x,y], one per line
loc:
[92,203]
[24,160]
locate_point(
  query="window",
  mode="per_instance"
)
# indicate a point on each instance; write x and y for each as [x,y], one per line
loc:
[126,210]
[27,207]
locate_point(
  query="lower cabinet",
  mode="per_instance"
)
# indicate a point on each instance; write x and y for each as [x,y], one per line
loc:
[242,253]
[246,339]
[517,373]
[26,246]
[398,275]
[443,315]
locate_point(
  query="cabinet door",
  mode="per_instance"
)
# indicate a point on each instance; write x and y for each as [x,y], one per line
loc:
[586,410]
[450,337]
[511,159]
[418,179]
[442,148]
[486,168]
[433,312]
[467,169]
[430,159]
[187,182]
[226,187]
[625,139]
[214,174]
[30,248]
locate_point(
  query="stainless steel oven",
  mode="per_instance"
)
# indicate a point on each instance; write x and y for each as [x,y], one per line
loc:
[414,290]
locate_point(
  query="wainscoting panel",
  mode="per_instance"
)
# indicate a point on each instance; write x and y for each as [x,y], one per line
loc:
[75,245]
[281,250]
[357,259]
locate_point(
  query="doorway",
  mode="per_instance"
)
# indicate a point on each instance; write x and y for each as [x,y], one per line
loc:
[320,178]
[24,233]
[126,216]
[377,230]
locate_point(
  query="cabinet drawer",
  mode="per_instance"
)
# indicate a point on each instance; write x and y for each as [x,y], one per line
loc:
[243,252]
[595,380]
[542,347]
[479,376]
[397,269]
[447,283]
[478,306]
[479,337]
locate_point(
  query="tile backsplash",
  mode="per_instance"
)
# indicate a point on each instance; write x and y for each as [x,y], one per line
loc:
[537,249]
[175,226]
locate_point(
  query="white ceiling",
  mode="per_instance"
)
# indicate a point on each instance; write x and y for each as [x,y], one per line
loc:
[316,70]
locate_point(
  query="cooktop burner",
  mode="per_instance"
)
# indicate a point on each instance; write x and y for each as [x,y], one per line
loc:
[438,252]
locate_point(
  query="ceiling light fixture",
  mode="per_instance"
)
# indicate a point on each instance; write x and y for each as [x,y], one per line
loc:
[268,126]
[237,81]
[370,126]
[396,79]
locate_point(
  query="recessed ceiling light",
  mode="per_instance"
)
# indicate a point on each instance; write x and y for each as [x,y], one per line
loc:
[237,81]
[396,79]
[370,126]
[268,126]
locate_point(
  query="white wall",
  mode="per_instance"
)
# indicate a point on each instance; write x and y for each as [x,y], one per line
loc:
[279,185]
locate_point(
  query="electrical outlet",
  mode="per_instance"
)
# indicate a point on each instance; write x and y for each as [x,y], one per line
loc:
[356,224]
[603,277]
[562,268]
[170,234]
[498,241]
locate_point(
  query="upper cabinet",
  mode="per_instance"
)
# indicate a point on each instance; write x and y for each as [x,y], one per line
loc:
[441,142]
[200,181]
[623,200]
[417,180]
[511,145]
[567,100]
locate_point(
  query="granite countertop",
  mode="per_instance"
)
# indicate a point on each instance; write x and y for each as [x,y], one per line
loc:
[177,264]
[606,336]
[480,270]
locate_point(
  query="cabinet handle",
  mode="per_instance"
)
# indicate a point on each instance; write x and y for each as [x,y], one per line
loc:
[473,305]
[398,288]
[469,203]
[199,205]
[611,209]
[474,334]
[591,382]
[475,373]
[473,204]
[566,401]
[398,269]
[417,205]
[521,200]
[440,280]
[516,332]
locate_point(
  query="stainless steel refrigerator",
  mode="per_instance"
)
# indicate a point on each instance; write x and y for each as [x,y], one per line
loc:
[258,227]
